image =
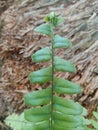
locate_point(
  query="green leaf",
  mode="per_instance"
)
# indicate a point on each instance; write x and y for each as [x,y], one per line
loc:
[94,123]
[59,42]
[67,124]
[63,86]
[86,122]
[95,115]
[38,115]
[85,112]
[16,122]
[40,97]
[64,65]
[67,107]
[42,55]
[44,28]
[38,126]
[68,118]
[57,127]
[86,128]
[41,76]
[53,19]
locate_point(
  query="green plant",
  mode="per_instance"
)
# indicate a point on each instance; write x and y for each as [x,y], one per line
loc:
[94,122]
[16,122]
[48,110]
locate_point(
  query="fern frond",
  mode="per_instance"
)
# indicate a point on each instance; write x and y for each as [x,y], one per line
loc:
[50,111]
[16,122]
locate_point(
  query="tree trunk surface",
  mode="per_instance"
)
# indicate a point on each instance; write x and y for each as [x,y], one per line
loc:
[18,41]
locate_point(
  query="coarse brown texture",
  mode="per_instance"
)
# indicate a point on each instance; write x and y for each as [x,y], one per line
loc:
[18,41]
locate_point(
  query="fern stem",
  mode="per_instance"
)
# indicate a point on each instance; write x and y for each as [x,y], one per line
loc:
[52,84]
